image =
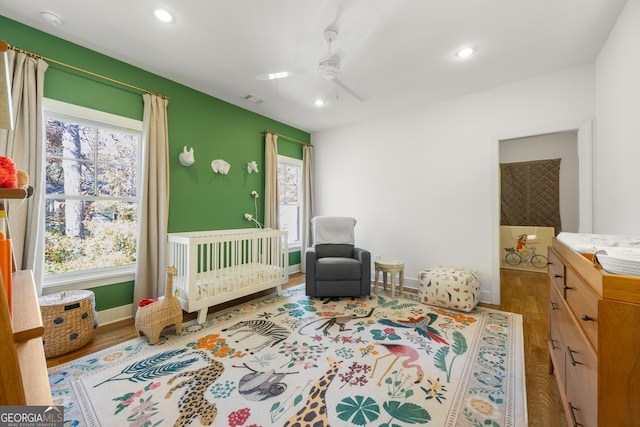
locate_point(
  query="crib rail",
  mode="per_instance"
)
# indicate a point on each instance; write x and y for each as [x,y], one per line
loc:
[217,266]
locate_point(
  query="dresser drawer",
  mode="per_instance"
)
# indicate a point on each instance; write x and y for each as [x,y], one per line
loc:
[556,271]
[581,385]
[583,301]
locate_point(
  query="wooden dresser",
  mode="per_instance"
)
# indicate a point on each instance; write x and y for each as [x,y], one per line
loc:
[594,340]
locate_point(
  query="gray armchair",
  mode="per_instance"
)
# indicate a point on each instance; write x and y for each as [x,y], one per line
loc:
[335,267]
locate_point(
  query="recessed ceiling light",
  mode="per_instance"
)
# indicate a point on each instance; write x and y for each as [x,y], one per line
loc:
[51,18]
[465,52]
[319,102]
[163,15]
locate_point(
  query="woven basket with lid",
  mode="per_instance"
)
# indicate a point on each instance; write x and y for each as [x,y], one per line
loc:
[69,320]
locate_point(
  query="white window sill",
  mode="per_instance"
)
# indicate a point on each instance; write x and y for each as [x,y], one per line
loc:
[88,279]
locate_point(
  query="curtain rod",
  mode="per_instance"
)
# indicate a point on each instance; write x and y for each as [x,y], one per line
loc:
[286,137]
[91,73]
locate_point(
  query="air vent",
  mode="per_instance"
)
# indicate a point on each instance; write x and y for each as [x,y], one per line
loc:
[254,99]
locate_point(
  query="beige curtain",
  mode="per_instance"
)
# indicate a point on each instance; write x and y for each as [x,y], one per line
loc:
[271,204]
[154,203]
[307,202]
[24,144]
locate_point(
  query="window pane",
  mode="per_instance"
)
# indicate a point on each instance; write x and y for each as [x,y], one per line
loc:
[69,177]
[54,138]
[288,178]
[290,221]
[116,181]
[84,235]
[117,147]
[289,175]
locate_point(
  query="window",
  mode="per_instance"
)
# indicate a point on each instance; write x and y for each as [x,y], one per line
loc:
[290,197]
[91,197]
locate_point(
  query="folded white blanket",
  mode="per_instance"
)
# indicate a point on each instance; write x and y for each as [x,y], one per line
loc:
[333,229]
[589,243]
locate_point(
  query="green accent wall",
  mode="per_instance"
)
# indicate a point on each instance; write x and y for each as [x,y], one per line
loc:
[199,199]
[113,295]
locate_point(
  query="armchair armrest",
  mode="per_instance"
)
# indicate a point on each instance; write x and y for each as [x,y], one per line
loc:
[310,270]
[364,256]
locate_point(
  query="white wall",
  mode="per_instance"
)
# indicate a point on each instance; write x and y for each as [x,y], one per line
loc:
[617,149]
[423,184]
[557,145]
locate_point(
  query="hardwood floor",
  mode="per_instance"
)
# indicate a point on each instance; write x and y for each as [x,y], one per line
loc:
[526,293]
[521,292]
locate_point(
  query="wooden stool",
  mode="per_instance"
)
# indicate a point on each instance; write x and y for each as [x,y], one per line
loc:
[393,267]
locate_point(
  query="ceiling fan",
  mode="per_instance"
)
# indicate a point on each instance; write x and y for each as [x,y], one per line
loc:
[328,67]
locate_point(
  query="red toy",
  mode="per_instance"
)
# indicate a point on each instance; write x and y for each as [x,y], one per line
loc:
[8,173]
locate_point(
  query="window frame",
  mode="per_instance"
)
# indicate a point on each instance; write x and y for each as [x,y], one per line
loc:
[104,276]
[292,161]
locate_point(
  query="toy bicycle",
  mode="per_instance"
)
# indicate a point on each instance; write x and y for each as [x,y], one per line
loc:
[513,257]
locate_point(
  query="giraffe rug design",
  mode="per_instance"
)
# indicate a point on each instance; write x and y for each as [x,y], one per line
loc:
[297,361]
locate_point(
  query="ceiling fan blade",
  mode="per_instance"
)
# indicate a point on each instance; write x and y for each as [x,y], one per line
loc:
[348,89]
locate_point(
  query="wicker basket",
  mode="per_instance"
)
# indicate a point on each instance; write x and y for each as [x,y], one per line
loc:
[69,320]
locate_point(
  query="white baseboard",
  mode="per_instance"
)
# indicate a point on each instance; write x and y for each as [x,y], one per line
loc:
[115,314]
[124,312]
[412,284]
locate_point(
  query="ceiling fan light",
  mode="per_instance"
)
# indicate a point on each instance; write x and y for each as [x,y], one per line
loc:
[465,52]
[319,102]
[163,15]
[279,75]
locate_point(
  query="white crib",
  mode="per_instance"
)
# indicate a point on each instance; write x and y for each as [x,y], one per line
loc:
[219,266]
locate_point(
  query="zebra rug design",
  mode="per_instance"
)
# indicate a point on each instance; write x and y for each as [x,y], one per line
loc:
[294,360]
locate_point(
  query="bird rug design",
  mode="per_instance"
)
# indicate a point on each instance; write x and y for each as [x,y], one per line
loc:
[299,361]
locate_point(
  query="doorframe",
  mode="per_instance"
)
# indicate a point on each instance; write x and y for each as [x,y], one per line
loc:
[584,130]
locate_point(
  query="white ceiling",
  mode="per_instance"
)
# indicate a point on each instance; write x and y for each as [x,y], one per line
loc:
[398,54]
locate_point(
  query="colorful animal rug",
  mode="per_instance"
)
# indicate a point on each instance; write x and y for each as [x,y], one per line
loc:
[297,361]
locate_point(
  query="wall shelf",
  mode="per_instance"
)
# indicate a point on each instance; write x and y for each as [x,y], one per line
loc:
[16,193]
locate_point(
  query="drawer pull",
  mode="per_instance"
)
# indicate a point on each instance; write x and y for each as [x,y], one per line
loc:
[553,344]
[554,306]
[567,288]
[586,318]
[573,415]
[574,362]
[557,276]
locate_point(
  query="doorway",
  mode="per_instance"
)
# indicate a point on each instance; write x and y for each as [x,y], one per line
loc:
[558,145]
[584,134]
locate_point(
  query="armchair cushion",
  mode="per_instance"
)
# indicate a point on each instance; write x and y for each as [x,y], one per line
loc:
[337,250]
[332,268]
